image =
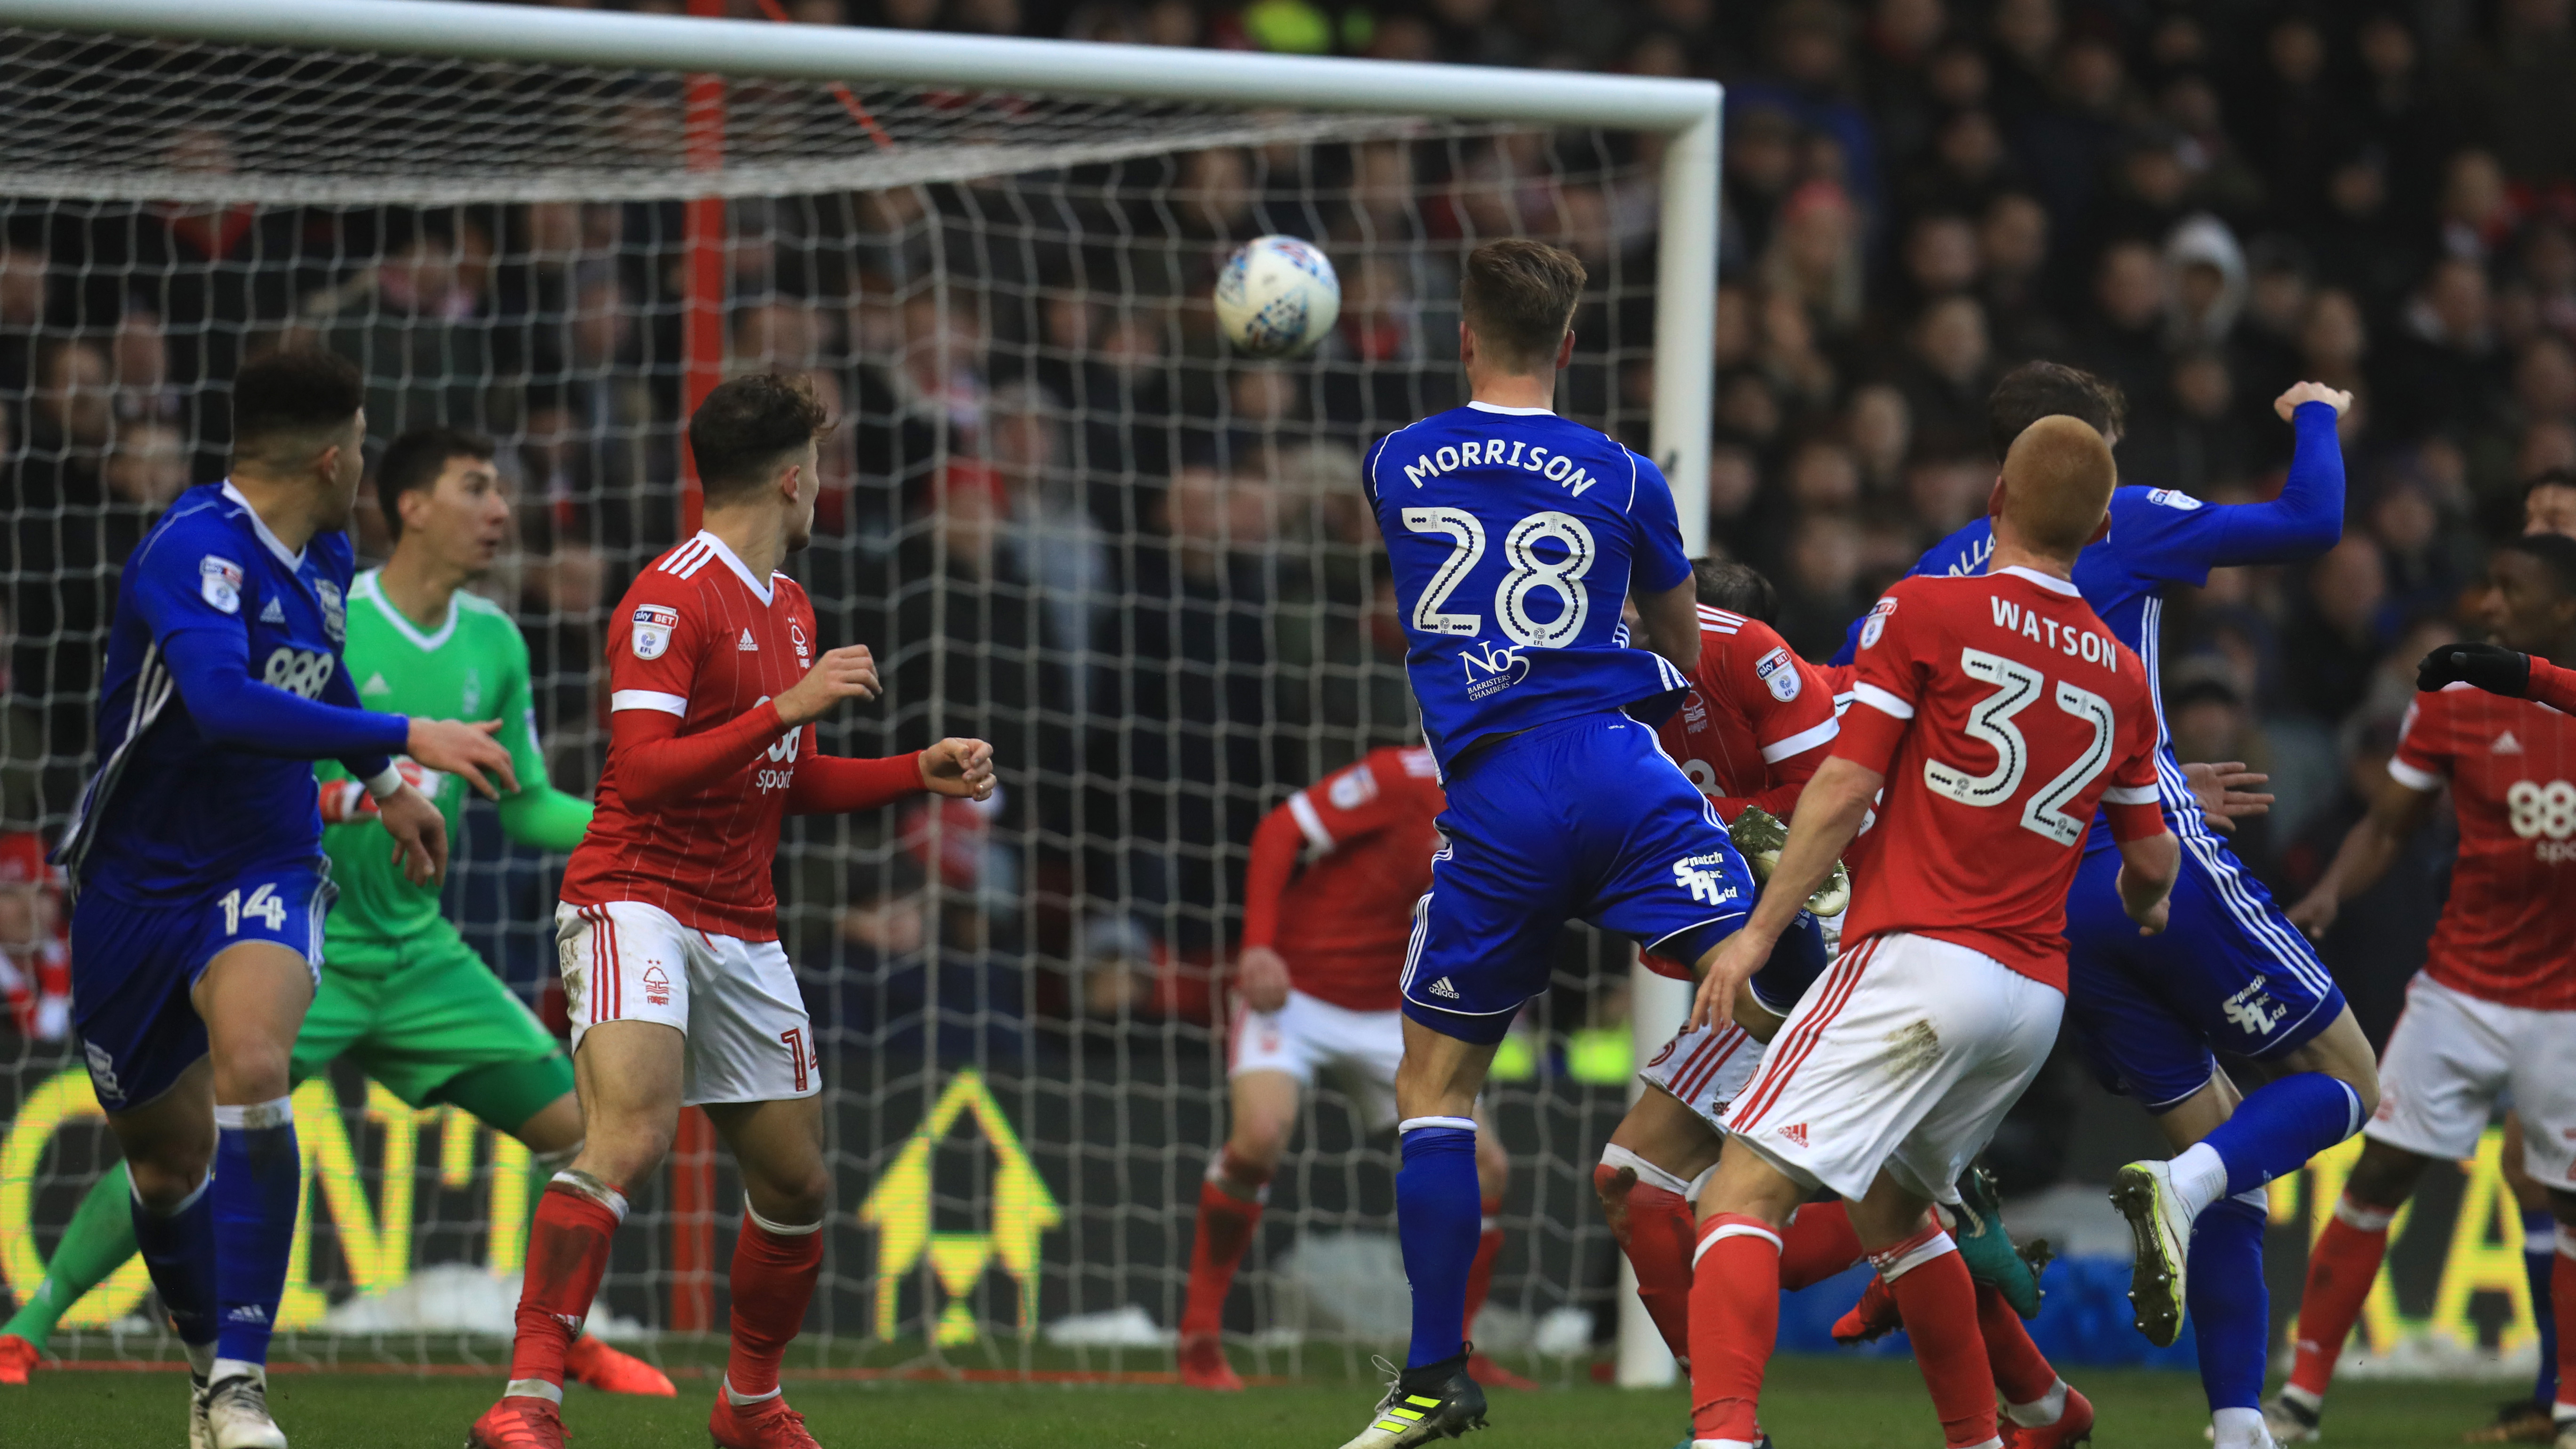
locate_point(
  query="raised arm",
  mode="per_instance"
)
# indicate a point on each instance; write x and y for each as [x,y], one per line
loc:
[2307,519]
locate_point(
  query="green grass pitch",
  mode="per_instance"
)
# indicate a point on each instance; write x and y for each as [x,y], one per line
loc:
[1813,1403]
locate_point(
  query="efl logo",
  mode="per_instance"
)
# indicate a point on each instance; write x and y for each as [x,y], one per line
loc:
[653,628]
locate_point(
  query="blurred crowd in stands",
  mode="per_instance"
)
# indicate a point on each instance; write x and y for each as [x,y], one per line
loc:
[1071,523]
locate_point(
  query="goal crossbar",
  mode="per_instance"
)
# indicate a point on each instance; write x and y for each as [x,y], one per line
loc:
[797,52]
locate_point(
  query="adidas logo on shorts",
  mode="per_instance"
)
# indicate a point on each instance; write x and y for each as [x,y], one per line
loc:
[1442,987]
[1795,1132]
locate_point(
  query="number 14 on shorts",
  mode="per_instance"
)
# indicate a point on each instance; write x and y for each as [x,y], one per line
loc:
[264,906]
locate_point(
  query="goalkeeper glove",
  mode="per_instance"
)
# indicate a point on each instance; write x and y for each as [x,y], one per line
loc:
[346,800]
[2490,667]
[1759,835]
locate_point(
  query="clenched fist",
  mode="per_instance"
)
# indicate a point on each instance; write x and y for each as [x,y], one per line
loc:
[962,768]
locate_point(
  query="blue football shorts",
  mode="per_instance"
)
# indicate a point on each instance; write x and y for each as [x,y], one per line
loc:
[1583,819]
[2228,974]
[133,966]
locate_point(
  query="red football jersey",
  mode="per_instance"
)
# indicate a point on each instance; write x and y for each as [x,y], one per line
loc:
[1757,718]
[1753,728]
[2002,712]
[698,637]
[1345,922]
[2508,932]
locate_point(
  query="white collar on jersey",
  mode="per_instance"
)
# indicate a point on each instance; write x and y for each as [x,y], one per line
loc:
[367,586]
[2049,582]
[1486,407]
[292,558]
[760,588]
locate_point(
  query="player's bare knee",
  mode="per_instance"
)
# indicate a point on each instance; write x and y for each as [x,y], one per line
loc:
[2383,1176]
[1256,1144]
[164,1181]
[1493,1164]
[624,1152]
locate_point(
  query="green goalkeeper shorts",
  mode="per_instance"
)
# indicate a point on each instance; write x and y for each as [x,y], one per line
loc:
[428,1019]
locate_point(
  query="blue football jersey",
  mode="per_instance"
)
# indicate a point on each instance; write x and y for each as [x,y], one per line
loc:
[2158,536]
[1515,536]
[169,810]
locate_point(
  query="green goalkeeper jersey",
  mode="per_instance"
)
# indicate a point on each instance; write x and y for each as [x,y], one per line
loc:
[473,666]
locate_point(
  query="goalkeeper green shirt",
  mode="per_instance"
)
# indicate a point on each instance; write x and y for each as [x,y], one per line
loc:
[473,666]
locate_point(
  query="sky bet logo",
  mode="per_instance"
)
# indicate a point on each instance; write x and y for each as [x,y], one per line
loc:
[1494,670]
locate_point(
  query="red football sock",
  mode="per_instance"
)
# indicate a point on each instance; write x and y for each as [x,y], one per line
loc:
[2021,1371]
[1655,1230]
[1939,1303]
[1216,1249]
[1817,1244]
[2562,1299]
[1480,1273]
[2341,1267]
[773,1279]
[1734,1322]
[567,1256]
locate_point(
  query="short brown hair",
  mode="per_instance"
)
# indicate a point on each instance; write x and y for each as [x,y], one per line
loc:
[1738,588]
[2036,390]
[748,426]
[1519,296]
[293,401]
[2057,485]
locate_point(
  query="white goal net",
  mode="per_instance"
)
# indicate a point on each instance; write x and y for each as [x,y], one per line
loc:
[1063,516]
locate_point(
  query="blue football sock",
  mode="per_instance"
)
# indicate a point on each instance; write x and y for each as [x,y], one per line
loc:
[259,1174]
[1439,1215]
[179,1248]
[2539,1250]
[2231,1311]
[2282,1124]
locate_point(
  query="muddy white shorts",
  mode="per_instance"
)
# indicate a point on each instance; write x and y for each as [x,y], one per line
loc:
[1307,1034]
[749,1039]
[1705,1070]
[1903,1057]
[2450,1059]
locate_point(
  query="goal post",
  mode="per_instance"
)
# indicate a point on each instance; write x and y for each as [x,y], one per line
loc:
[925,201]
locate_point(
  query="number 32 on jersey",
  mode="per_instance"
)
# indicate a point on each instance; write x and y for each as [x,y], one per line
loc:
[2018,687]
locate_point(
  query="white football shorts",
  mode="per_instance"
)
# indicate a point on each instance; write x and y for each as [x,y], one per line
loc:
[1705,1070]
[1903,1057]
[2453,1055]
[749,1039]
[1307,1034]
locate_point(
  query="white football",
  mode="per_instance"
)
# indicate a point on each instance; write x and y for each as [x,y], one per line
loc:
[1277,296]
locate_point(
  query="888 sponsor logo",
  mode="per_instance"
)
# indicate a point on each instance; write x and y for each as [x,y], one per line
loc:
[2545,814]
[779,770]
[300,671]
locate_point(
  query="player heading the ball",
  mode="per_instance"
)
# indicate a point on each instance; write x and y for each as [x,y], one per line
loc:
[679,991]
[197,854]
[1514,536]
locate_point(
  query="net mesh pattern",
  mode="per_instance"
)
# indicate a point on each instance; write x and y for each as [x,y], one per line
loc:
[1064,516]
[95,117]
